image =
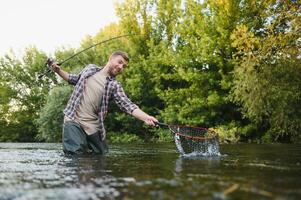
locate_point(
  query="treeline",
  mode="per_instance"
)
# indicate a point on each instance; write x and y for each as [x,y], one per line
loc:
[231,65]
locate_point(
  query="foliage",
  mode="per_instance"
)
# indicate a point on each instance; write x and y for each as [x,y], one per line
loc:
[123,138]
[51,116]
[268,71]
[162,135]
[230,65]
[22,94]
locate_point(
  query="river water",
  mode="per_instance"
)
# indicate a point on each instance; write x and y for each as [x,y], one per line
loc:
[38,171]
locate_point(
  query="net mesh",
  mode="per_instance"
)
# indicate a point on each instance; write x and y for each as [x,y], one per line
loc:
[195,140]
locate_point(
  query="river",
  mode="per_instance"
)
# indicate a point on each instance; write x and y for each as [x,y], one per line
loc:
[38,171]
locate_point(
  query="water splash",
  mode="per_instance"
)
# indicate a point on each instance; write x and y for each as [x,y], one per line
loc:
[197,148]
[178,144]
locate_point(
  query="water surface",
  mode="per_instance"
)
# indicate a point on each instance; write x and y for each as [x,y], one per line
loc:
[30,171]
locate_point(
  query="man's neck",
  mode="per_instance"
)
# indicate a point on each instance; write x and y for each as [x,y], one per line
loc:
[105,69]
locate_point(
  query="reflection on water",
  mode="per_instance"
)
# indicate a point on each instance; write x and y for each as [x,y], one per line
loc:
[184,163]
[150,171]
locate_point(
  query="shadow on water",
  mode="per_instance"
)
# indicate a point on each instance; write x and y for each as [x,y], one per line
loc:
[150,171]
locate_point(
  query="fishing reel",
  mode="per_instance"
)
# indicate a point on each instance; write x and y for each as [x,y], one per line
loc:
[48,64]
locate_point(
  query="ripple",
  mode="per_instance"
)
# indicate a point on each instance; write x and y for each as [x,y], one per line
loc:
[82,193]
[148,171]
[262,165]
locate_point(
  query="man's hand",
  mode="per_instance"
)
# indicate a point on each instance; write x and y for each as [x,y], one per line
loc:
[55,67]
[150,120]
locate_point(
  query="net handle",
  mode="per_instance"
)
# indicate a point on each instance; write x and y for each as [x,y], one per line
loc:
[162,124]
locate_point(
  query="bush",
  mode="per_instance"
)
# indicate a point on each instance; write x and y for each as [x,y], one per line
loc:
[122,138]
[50,120]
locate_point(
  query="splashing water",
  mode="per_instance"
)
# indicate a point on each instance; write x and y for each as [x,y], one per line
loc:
[178,144]
[190,148]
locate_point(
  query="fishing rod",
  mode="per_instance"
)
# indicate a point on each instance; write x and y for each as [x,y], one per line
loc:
[50,61]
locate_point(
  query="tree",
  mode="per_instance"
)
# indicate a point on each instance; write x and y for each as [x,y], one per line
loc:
[22,94]
[268,70]
[51,115]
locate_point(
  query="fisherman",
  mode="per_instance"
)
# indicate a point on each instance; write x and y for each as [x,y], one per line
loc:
[83,129]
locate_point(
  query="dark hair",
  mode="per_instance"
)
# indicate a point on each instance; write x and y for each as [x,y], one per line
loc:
[121,53]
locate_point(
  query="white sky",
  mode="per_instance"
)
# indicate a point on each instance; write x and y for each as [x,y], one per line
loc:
[49,24]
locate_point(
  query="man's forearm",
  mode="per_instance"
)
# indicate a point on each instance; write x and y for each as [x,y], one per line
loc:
[57,69]
[63,74]
[139,114]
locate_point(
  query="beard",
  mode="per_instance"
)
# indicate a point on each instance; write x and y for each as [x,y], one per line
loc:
[114,71]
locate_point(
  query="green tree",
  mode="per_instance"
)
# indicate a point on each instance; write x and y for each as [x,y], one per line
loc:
[22,94]
[51,115]
[229,64]
[268,70]
[184,66]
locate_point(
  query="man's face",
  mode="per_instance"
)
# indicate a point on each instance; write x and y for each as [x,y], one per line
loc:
[117,65]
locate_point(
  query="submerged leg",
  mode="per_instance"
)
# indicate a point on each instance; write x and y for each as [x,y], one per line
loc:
[74,139]
[98,146]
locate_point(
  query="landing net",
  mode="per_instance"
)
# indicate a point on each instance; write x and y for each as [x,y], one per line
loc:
[195,140]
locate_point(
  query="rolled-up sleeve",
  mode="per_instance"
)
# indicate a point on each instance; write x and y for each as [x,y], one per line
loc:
[73,78]
[123,102]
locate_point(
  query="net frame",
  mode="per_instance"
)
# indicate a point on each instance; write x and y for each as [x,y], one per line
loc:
[190,139]
[193,133]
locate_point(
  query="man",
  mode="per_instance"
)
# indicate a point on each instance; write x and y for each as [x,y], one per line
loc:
[83,129]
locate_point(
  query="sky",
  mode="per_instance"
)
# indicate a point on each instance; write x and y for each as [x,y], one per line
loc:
[51,24]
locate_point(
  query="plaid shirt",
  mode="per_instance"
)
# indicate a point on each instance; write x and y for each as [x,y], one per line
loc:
[112,89]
